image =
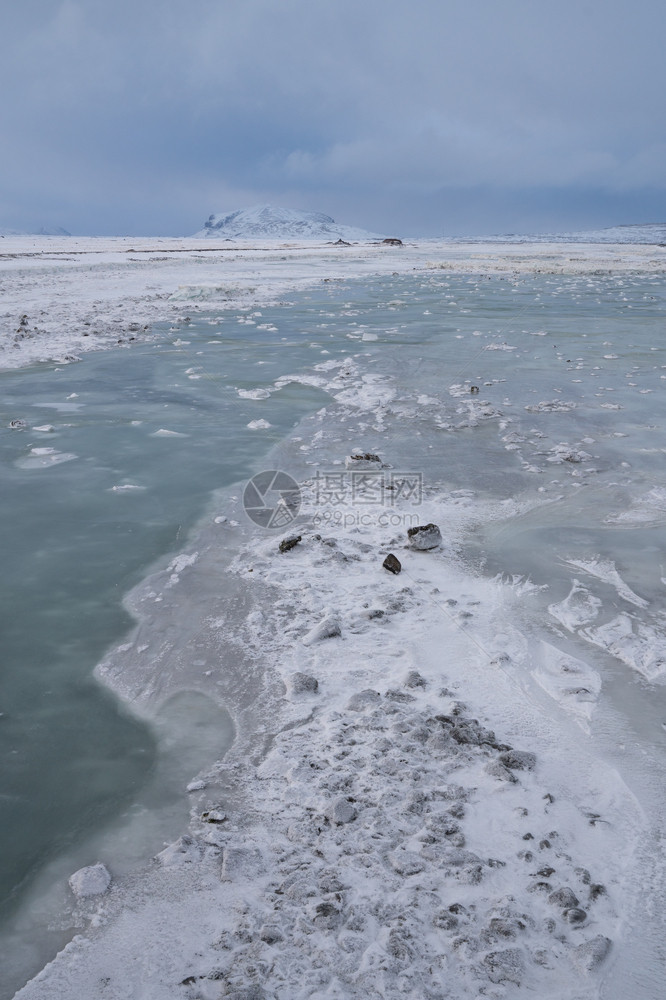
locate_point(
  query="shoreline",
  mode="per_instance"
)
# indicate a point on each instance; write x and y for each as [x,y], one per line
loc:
[291,842]
[293,859]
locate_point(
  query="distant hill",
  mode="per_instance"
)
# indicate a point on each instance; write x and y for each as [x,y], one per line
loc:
[44,231]
[648,233]
[270,222]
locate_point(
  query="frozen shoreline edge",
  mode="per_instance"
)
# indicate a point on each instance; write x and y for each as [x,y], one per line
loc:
[195,862]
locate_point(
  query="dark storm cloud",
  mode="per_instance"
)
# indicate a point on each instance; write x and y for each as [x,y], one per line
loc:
[146,116]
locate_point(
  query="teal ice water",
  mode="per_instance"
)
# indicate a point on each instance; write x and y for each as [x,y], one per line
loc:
[118,457]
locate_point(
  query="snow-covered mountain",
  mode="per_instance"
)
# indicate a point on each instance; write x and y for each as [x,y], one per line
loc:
[271,222]
[44,231]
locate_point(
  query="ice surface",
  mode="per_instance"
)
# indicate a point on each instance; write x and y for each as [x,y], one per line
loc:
[374,834]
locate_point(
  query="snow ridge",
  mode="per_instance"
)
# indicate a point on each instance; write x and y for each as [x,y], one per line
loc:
[270,221]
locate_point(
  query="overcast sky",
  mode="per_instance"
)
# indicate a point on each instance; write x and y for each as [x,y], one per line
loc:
[411,117]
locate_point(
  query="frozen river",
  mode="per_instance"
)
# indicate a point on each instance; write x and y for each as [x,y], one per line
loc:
[539,394]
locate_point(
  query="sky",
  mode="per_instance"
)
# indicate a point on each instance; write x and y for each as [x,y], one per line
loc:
[427,117]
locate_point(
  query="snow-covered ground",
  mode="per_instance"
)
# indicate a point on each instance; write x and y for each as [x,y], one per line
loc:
[401,814]
[63,296]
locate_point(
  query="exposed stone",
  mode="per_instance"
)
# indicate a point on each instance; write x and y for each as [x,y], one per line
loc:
[363,461]
[326,916]
[270,934]
[518,760]
[392,241]
[288,543]
[424,536]
[392,564]
[300,683]
[401,696]
[564,897]
[575,915]
[414,680]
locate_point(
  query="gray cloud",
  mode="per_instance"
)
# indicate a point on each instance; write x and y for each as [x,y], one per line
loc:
[146,116]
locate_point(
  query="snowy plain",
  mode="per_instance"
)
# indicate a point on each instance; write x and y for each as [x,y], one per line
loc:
[413,805]
[62,296]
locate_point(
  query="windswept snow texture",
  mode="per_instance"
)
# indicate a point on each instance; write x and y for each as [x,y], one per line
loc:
[280,223]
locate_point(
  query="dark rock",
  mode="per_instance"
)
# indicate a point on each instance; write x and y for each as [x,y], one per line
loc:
[400,696]
[473,388]
[303,683]
[392,241]
[414,680]
[392,564]
[270,934]
[596,890]
[424,536]
[17,425]
[326,916]
[363,461]
[564,897]
[288,543]
[518,760]
[575,915]
[499,929]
